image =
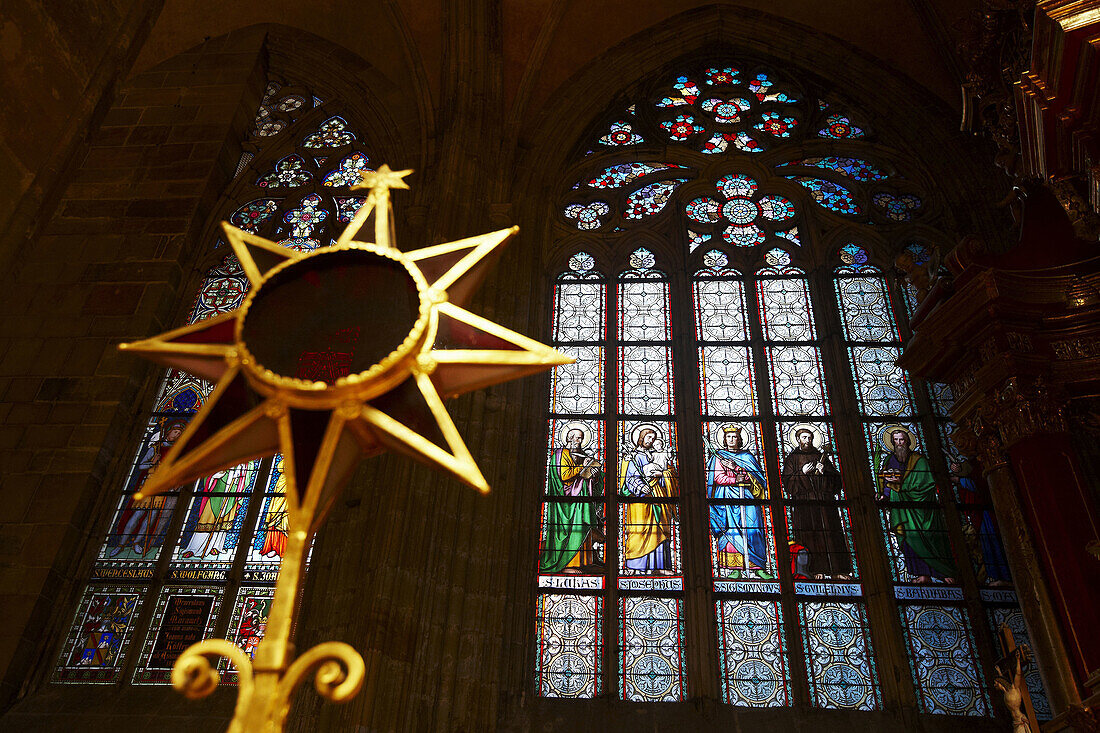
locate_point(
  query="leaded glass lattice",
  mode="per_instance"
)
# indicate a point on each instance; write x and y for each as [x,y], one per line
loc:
[839,662]
[568,629]
[945,668]
[651,648]
[752,653]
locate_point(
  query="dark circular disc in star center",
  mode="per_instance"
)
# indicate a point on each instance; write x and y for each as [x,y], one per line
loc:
[331,315]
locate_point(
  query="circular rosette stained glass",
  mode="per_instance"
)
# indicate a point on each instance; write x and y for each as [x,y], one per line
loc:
[652,619]
[703,210]
[653,675]
[938,629]
[835,628]
[776,125]
[751,624]
[845,685]
[721,76]
[756,682]
[952,689]
[743,236]
[573,617]
[681,128]
[737,184]
[726,112]
[740,210]
[776,208]
[568,673]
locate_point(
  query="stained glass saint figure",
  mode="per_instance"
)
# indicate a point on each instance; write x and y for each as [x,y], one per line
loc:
[646,471]
[217,513]
[809,475]
[141,525]
[572,527]
[734,474]
[905,476]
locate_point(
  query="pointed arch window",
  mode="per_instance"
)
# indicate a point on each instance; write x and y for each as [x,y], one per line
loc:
[171,569]
[756,339]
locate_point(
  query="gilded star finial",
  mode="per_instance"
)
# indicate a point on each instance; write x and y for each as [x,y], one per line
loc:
[383,178]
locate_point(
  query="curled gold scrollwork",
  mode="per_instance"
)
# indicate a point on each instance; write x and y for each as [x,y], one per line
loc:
[340,671]
[195,677]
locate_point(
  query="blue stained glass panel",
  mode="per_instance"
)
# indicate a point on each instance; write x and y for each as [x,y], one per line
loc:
[945,668]
[570,647]
[882,386]
[831,195]
[839,662]
[752,653]
[651,649]
[865,309]
[1015,620]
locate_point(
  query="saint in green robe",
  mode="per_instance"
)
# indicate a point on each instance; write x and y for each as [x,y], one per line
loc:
[920,529]
[568,523]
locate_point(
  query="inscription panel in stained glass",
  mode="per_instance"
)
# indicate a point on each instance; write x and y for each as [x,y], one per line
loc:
[183,616]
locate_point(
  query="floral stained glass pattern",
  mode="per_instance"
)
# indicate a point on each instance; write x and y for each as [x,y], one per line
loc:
[945,669]
[621,133]
[252,215]
[682,127]
[349,171]
[854,168]
[587,216]
[570,647]
[333,133]
[752,653]
[839,127]
[287,172]
[839,663]
[830,195]
[652,663]
[621,175]
[898,208]
[650,199]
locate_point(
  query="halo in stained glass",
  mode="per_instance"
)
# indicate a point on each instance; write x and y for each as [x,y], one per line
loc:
[650,199]
[703,210]
[776,208]
[642,259]
[743,236]
[682,127]
[587,216]
[715,259]
[737,184]
[581,262]
[740,210]
[621,133]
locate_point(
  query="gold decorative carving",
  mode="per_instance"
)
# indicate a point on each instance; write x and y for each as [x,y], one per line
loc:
[1026,411]
[1076,349]
[325,411]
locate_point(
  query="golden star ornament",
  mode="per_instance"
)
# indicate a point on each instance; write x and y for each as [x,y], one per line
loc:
[340,353]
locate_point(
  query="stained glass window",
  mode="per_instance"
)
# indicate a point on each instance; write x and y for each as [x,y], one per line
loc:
[170,568]
[736,338]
